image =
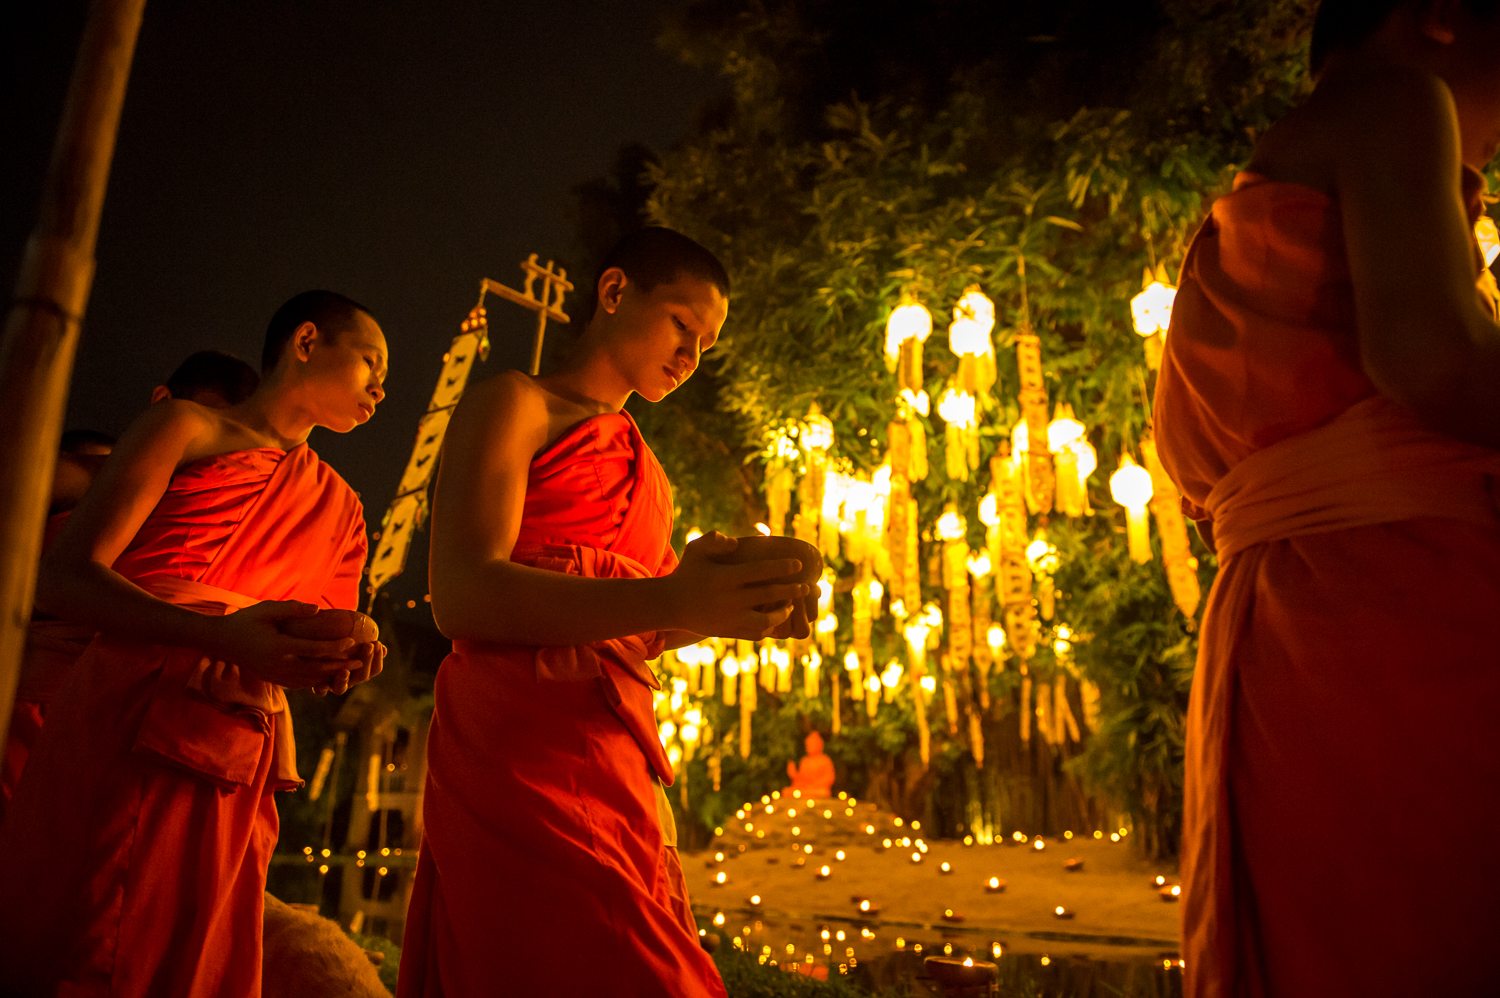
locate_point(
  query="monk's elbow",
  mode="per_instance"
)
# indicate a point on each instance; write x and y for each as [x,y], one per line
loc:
[1426,382]
[449,616]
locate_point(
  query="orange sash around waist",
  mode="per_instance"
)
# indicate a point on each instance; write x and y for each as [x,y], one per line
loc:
[1373,464]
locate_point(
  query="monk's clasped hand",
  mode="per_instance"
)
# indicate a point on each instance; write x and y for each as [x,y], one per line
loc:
[749,600]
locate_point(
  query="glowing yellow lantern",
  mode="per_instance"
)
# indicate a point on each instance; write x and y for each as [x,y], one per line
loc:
[1130,486]
[1064,430]
[1041,555]
[959,411]
[817,430]
[1064,434]
[1488,237]
[906,330]
[969,338]
[1171,530]
[1151,310]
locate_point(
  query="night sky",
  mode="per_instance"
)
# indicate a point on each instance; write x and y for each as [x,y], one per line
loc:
[392,150]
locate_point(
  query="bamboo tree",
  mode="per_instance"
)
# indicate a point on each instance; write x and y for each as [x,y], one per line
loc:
[46,312]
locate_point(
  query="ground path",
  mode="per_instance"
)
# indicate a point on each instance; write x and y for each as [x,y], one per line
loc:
[769,864]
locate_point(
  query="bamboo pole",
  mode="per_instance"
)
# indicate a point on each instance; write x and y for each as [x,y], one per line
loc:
[43,319]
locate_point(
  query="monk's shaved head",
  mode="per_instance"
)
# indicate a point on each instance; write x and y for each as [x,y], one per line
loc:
[330,311]
[1344,24]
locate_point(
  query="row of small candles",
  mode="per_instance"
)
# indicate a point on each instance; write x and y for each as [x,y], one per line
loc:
[941,959]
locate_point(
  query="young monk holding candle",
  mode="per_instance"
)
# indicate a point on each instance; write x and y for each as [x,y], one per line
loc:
[547,868]
[207,377]
[133,862]
[1329,404]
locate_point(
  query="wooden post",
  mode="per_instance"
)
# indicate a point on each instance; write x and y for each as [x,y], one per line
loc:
[41,326]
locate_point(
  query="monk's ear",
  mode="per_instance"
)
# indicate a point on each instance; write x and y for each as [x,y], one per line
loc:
[1436,20]
[303,338]
[160,393]
[612,284]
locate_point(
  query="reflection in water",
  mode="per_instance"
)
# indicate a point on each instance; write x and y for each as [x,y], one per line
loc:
[888,960]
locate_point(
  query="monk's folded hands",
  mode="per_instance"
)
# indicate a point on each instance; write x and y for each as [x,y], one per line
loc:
[749,601]
[252,639]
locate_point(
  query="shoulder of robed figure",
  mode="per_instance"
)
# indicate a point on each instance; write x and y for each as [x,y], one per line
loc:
[509,405]
[186,428]
[1380,109]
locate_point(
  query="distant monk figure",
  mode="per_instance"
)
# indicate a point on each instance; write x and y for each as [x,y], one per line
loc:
[814,775]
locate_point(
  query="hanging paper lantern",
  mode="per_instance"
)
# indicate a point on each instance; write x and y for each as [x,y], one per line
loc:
[951,530]
[1041,555]
[1130,486]
[1085,463]
[1063,436]
[969,339]
[1488,237]
[1033,399]
[982,598]
[1151,313]
[906,330]
[959,411]
[1171,526]
[1151,310]
[1013,574]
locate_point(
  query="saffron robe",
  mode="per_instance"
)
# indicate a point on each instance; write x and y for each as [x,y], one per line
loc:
[134,859]
[1341,753]
[545,868]
[52,648]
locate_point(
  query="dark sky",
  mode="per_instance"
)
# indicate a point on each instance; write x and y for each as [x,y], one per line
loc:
[393,150]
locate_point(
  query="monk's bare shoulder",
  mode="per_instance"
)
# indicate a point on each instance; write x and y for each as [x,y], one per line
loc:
[1363,116]
[175,429]
[1396,115]
[508,411]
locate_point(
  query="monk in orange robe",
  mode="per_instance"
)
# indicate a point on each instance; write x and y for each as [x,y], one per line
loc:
[1328,405]
[548,865]
[207,377]
[134,859]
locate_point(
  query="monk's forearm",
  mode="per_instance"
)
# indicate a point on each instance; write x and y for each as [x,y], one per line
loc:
[680,639]
[508,603]
[1461,398]
[98,597]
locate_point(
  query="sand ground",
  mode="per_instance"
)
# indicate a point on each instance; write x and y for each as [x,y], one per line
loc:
[1113,899]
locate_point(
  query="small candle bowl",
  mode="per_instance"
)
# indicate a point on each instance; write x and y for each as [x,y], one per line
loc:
[953,972]
[994,885]
[949,915]
[1073,864]
[1171,893]
[1062,912]
[945,868]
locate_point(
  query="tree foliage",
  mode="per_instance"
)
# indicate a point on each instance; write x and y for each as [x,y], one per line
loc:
[1047,152]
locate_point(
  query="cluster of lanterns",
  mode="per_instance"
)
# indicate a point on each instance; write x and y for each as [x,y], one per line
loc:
[957,612]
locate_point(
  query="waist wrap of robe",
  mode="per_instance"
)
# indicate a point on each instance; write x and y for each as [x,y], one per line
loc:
[1338,727]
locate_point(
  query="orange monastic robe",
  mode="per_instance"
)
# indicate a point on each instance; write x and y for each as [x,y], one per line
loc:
[1341,758]
[133,862]
[52,647]
[545,868]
